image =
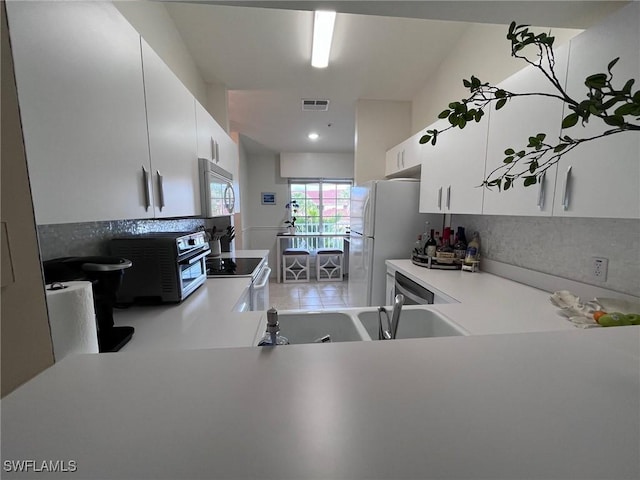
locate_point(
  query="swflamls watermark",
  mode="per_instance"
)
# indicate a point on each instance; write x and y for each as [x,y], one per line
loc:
[27,465]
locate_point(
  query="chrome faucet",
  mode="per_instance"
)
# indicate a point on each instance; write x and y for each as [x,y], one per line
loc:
[392,325]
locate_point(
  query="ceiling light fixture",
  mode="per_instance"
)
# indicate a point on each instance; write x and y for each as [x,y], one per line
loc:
[322,34]
[313,136]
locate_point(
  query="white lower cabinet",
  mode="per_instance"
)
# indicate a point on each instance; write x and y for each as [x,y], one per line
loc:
[80,88]
[171,118]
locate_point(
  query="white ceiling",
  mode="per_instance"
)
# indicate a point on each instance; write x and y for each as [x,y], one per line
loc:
[262,55]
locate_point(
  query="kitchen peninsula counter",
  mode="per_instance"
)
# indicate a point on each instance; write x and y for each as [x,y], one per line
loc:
[484,303]
[539,405]
[549,404]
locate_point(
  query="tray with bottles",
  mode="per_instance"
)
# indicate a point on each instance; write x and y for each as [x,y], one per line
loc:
[437,262]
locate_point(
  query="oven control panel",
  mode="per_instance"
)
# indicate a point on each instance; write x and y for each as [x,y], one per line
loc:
[190,242]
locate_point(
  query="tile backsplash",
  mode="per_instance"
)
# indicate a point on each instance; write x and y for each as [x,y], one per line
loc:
[91,238]
[563,247]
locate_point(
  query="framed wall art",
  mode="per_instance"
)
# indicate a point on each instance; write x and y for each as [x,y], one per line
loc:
[268,198]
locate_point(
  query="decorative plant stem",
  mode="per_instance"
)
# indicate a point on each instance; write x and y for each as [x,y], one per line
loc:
[294,210]
[617,108]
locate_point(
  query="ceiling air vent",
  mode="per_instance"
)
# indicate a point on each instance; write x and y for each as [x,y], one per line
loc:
[315,105]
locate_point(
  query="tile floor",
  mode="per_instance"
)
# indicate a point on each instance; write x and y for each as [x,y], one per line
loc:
[312,295]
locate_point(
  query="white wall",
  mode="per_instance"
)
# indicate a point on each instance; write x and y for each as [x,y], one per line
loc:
[380,125]
[316,165]
[263,222]
[26,338]
[483,51]
[153,22]
[218,103]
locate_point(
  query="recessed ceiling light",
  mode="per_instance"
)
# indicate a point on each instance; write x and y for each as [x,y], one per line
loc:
[313,136]
[322,34]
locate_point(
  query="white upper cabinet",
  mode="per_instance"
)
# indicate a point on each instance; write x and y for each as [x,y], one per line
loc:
[171,115]
[81,95]
[432,173]
[453,170]
[601,178]
[209,133]
[404,156]
[215,144]
[511,127]
[392,160]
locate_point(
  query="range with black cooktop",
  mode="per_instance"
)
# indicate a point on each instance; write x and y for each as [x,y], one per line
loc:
[254,267]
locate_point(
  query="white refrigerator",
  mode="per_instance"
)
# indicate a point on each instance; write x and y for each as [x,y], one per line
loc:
[385,225]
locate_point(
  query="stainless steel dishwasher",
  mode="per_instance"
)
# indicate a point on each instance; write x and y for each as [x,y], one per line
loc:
[414,294]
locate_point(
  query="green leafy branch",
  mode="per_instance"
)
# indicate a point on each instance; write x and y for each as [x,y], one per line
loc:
[618,108]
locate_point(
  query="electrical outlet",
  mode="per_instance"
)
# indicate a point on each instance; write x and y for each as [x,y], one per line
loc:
[599,269]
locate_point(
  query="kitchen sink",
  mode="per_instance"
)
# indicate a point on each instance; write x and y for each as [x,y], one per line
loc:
[307,327]
[414,323]
[355,325]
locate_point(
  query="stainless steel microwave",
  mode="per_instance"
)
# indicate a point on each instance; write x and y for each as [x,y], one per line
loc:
[216,190]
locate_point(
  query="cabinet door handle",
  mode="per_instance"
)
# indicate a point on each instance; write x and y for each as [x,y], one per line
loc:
[214,157]
[541,191]
[440,198]
[147,193]
[402,158]
[160,189]
[217,152]
[449,197]
[567,189]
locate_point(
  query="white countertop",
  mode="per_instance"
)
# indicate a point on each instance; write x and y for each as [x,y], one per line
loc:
[555,404]
[488,303]
[203,320]
[541,405]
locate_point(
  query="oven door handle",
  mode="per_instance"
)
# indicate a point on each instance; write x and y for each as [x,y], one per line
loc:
[261,285]
[410,295]
[195,258]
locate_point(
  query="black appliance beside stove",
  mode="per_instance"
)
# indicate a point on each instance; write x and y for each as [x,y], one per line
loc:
[167,266]
[232,267]
[105,275]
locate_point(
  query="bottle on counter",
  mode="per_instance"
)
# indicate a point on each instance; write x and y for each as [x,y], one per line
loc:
[418,247]
[472,256]
[430,246]
[445,244]
[460,247]
[425,237]
[272,336]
